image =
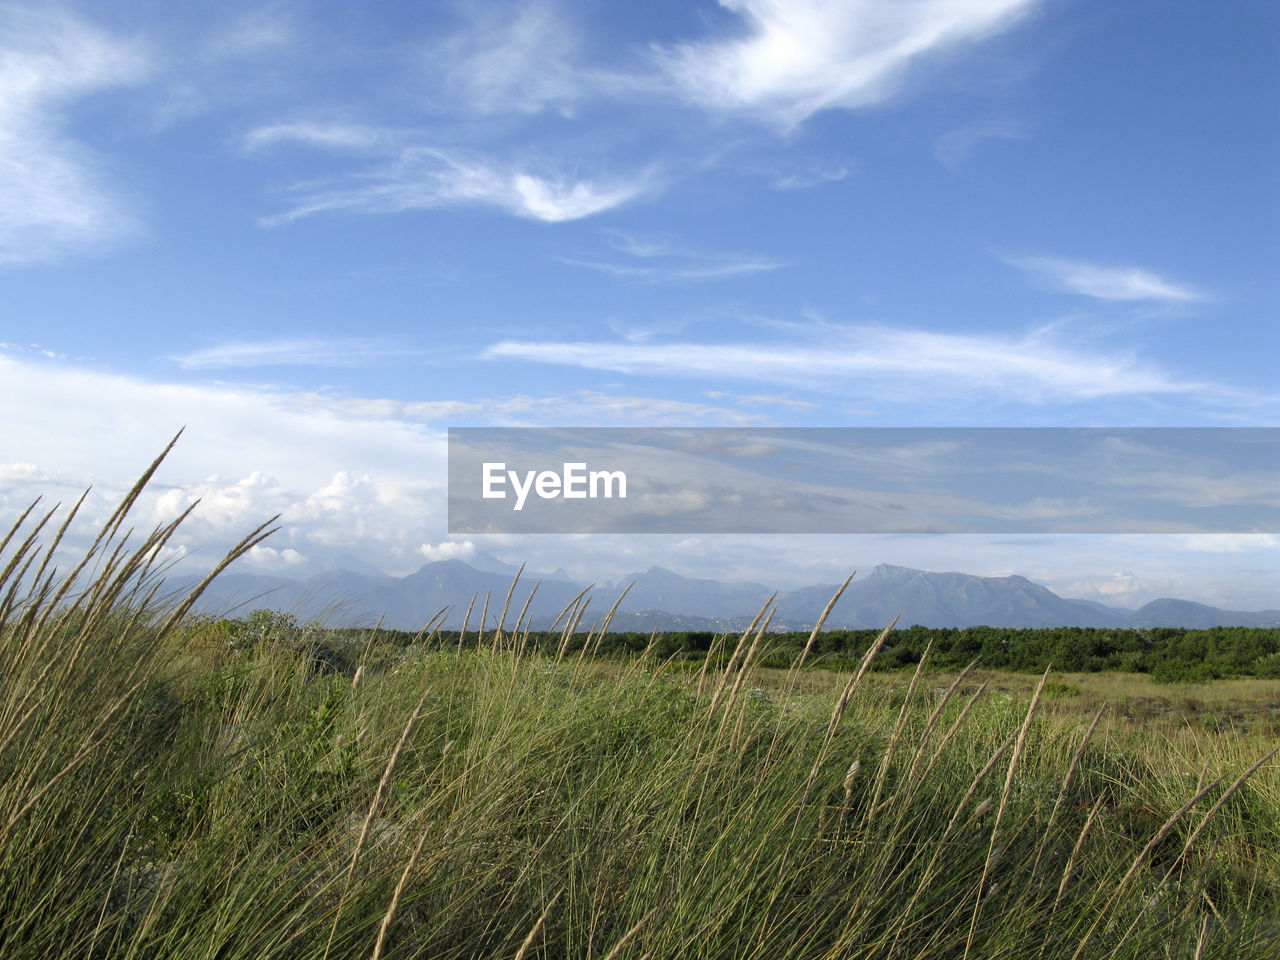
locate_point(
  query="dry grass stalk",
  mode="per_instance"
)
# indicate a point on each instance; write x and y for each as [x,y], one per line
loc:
[23,550]
[385,927]
[537,927]
[1075,851]
[603,627]
[90,741]
[822,619]
[255,537]
[571,627]
[368,643]
[1141,858]
[502,620]
[1239,781]
[1191,839]
[484,616]
[954,729]
[1004,803]
[746,663]
[17,525]
[571,605]
[57,537]
[525,609]
[648,652]
[627,937]
[374,804]
[1066,783]
[856,679]
[929,870]
[737,655]
[882,772]
[466,618]
[932,722]
[850,777]
[713,648]
[435,624]
[608,617]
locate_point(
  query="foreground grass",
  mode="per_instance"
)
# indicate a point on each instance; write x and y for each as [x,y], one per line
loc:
[164,795]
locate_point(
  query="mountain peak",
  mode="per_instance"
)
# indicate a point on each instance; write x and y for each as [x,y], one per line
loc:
[890,569]
[913,596]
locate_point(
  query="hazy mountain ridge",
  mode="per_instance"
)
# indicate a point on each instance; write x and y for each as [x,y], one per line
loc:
[660,599]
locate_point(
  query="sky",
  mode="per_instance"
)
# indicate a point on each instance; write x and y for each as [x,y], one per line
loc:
[317,235]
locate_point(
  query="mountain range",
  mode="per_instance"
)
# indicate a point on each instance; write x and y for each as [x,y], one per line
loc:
[660,599]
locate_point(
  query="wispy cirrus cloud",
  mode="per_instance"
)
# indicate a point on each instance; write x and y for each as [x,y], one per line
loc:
[802,178]
[659,261]
[797,57]
[291,352]
[1105,282]
[519,60]
[878,360]
[262,29]
[52,196]
[583,407]
[763,400]
[1229,542]
[954,148]
[417,177]
[322,135]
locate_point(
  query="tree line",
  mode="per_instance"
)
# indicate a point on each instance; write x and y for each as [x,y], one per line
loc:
[1171,654]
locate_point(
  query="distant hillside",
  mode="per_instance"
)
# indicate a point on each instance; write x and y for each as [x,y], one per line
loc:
[662,600]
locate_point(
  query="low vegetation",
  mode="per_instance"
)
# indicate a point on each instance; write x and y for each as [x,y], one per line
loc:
[1166,654]
[181,787]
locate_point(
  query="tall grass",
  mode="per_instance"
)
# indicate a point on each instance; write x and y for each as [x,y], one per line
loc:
[164,793]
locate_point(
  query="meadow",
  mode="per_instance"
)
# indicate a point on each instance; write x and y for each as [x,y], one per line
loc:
[175,786]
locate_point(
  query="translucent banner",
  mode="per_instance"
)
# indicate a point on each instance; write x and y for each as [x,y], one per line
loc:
[864,480]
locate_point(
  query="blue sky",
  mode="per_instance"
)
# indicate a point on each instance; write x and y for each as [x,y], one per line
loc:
[320,234]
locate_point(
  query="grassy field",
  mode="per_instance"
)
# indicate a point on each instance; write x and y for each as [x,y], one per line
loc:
[166,793]
[1242,707]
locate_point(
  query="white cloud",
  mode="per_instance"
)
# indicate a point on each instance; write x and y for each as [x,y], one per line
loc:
[328,136]
[261,31]
[1229,542]
[269,558]
[581,407]
[1121,588]
[775,400]
[954,148]
[876,358]
[225,505]
[797,57]
[246,455]
[658,261]
[674,273]
[420,177]
[800,178]
[337,352]
[448,550]
[348,475]
[1105,283]
[52,199]
[22,471]
[561,199]
[507,59]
